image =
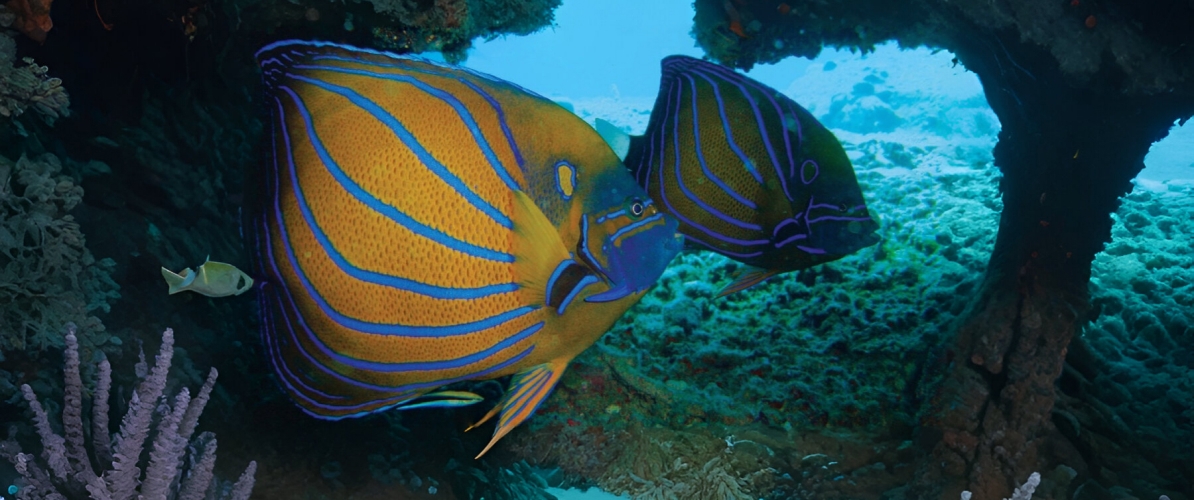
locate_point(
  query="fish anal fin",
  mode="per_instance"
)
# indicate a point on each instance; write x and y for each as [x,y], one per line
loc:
[443,399]
[528,389]
[538,249]
[746,278]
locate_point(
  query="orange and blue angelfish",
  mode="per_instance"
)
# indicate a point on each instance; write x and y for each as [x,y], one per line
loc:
[749,173]
[419,225]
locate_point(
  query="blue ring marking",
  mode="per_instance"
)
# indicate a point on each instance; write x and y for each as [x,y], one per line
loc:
[435,291]
[725,125]
[586,281]
[572,179]
[816,172]
[391,212]
[680,174]
[816,251]
[369,327]
[462,112]
[555,275]
[409,140]
[686,220]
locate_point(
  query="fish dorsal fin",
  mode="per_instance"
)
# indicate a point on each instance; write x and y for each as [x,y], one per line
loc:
[528,389]
[618,139]
[746,278]
[537,248]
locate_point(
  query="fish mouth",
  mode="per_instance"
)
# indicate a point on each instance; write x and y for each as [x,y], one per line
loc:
[638,253]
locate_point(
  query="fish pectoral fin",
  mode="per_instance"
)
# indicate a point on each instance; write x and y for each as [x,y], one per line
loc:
[538,250]
[443,399]
[528,390]
[618,139]
[746,278]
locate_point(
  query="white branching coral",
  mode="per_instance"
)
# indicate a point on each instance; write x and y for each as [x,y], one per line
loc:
[65,470]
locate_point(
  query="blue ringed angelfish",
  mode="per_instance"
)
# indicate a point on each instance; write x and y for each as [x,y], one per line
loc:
[749,173]
[418,224]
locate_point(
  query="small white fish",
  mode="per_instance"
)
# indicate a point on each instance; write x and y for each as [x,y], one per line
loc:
[214,279]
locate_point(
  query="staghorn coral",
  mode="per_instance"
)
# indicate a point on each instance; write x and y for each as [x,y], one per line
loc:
[48,278]
[28,86]
[65,471]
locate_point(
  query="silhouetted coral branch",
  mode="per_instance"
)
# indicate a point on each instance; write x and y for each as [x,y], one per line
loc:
[70,474]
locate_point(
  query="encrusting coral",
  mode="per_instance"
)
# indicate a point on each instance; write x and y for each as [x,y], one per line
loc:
[28,86]
[66,472]
[48,278]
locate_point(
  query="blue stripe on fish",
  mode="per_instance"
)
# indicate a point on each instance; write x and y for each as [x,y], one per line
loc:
[364,326]
[465,115]
[583,248]
[729,132]
[425,157]
[786,116]
[406,389]
[376,278]
[497,107]
[663,187]
[586,281]
[699,149]
[617,235]
[364,196]
[555,275]
[696,133]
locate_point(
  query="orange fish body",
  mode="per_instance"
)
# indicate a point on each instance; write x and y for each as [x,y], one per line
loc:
[422,224]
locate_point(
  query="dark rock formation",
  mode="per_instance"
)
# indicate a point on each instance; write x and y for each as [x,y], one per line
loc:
[1082,89]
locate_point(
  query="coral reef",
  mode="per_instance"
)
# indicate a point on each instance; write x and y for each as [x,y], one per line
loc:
[449,26]
[66,471]
[48,277]
[28,86]
[1056,74]
[1130,372]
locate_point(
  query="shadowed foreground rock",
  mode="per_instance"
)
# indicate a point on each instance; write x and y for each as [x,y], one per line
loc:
[1082,90]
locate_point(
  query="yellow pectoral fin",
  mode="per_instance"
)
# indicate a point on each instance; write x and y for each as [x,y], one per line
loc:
[538,249]
[528,390]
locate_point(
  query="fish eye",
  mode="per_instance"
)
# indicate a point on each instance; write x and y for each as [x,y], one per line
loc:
[637,208]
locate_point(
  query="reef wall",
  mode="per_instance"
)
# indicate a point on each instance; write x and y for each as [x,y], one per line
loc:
[1082,89]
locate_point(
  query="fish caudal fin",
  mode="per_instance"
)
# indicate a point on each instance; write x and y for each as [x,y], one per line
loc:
[618,139]
[746,278]
[178,281]
[528,390]
[538,249]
